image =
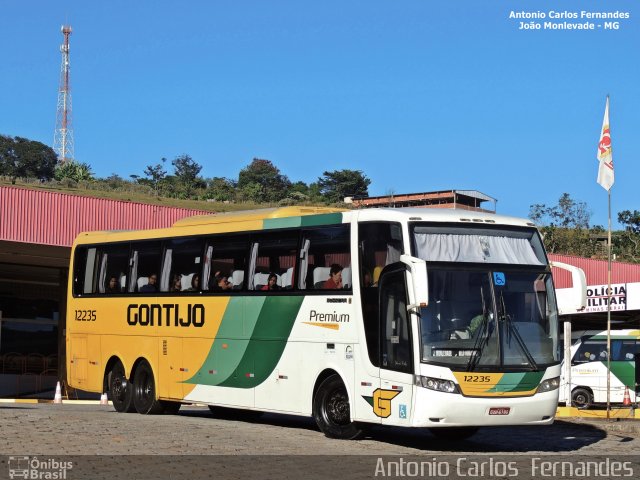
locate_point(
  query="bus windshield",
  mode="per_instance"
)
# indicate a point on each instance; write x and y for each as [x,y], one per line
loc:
[480,318]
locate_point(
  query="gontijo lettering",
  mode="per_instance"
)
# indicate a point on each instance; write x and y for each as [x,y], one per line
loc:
[167,314]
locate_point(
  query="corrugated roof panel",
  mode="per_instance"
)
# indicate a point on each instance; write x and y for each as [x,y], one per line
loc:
[51,218]
[595,271]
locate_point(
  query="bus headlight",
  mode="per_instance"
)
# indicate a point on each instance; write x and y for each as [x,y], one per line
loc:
[549,385]
[437,384]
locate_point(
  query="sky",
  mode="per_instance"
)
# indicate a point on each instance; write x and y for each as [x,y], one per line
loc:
[420,95]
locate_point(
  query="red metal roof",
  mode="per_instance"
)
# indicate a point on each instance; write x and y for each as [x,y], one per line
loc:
[50,218]
[595,271]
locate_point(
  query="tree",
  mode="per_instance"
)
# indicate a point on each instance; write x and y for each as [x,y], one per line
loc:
[631,220]
[335,186]
[20,157]
[627,244]
[568,213]
[76,171]
[156,174]
[565,226]
[221,189]
[273,185]
[186,173]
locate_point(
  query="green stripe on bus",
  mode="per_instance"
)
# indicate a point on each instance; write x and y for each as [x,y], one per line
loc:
[289,222]
[323,219]
[518,382]
[267,343]
[302,221]
[529,381]
[624,371]
[231,341]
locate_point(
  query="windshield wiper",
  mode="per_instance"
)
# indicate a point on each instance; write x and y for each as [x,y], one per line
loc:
[511,329]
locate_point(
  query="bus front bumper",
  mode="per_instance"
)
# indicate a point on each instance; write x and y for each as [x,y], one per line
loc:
[438,409]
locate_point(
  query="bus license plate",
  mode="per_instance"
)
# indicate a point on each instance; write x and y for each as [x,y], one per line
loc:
[499,410]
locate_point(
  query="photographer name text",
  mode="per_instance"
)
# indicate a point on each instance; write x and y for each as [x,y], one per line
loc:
[568,20]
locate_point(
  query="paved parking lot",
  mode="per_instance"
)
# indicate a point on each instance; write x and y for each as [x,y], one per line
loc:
[54,431]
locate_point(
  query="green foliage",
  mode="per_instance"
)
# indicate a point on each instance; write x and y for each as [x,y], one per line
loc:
[631,220]
[156,175]
[221,189]
[75,171]
[568,213]
[23,158]
[186,175]
[261,181]
[335,186]
[565,227]
[627,244]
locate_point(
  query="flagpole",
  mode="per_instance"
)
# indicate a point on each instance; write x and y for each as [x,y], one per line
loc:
[609,311]
[606,179]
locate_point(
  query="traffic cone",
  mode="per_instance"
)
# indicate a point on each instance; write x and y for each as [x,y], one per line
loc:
[103,399]
[626,401]
[57,398]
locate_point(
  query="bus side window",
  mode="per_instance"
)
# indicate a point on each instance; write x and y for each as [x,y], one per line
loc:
[379,244]
[182,261]
[273,253]
[146,261]
[225,257]
[321,249]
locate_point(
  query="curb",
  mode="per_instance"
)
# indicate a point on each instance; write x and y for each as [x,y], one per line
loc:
[39,400]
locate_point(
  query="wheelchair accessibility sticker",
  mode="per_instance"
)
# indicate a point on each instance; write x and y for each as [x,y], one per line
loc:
[499,279]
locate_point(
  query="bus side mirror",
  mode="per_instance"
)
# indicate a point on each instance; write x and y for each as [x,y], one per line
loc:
[574,299]
[418,270]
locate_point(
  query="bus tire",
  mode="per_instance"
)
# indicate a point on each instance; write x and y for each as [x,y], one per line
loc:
[332,412]
[144,391]
[453,433]
[581,398]
[120,390]
[170,408]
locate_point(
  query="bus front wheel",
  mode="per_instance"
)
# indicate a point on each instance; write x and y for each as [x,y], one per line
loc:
[120,390]
[331,410]
[144,391]
[581,398]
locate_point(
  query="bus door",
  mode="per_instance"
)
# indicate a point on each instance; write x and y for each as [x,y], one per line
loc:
[171,366]
[637,364]
[395,394]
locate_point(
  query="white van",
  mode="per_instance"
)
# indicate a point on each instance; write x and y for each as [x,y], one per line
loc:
[589,368]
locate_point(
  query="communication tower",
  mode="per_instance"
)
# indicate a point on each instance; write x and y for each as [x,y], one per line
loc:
[63,136]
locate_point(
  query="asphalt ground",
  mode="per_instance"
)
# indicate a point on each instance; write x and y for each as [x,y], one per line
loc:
[101,443]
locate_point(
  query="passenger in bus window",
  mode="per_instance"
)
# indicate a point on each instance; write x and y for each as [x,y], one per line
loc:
[152,286]
[366,279]
[176,283]
[272,282]
[221,282]
[112,285]
[335,278]
[195,284]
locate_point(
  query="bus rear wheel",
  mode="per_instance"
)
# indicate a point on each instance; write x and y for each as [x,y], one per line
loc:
[331,410]
[120,390]
[144,391]
[581,398]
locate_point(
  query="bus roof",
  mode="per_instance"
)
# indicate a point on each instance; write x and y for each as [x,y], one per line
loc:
[288,217]
[258,214]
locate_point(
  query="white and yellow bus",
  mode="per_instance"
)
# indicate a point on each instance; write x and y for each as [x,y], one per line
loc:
[589,361]
[443,319]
